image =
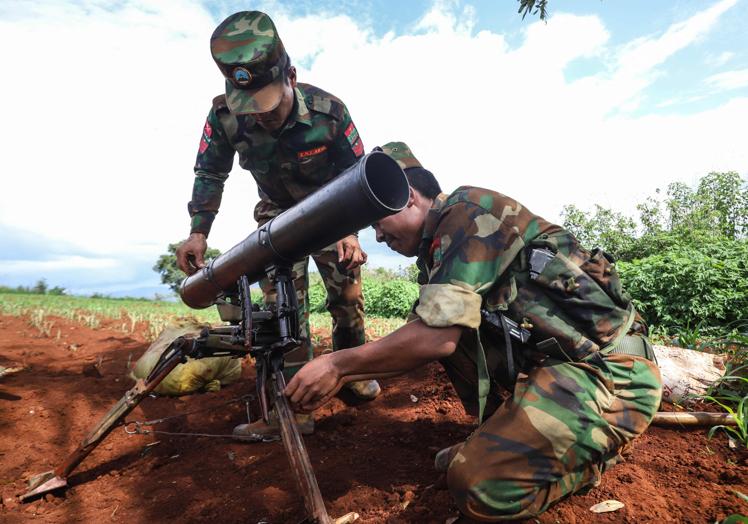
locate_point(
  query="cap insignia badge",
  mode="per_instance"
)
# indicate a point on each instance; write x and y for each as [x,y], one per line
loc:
[242,77]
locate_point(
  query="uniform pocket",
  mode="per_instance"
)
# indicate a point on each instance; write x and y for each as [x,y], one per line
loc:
[502,295]
[313,166]
[600,266]
[586,305]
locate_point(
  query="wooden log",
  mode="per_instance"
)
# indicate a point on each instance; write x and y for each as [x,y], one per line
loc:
[693,419]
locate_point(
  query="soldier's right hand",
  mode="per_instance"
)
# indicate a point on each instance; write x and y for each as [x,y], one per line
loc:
[191,253]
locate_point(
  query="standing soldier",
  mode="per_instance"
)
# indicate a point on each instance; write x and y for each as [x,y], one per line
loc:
[509,301]
[293,138]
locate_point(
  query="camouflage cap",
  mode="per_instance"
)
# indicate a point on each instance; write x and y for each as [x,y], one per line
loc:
[251,56]
[402,153]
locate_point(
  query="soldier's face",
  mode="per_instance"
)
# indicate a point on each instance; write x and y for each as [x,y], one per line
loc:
[274,120]
[402,231]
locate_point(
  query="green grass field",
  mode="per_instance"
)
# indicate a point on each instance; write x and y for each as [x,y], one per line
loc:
[128,314]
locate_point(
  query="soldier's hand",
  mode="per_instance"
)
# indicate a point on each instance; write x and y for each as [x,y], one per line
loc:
[314,384]
[350,252]
[191,253]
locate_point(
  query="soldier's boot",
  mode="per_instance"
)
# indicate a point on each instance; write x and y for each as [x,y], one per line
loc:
[259,430]
[365,389]
[443,459]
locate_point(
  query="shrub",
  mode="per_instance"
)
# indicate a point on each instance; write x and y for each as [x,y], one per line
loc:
[392,298]
[691,285]
[317,295]
[383,298]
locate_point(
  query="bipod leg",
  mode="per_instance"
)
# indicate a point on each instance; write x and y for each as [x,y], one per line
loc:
[297,454]
[57,478]
[262,367]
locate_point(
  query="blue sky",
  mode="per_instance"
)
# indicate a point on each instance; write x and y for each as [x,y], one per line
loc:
[603,104]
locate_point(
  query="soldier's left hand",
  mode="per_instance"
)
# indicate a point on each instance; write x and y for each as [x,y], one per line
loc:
[314,384]
[350,252]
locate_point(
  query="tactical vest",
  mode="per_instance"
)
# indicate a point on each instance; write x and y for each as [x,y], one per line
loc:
[557,300]
[566,302]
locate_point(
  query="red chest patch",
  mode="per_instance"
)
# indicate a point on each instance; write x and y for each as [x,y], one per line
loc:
[306,154]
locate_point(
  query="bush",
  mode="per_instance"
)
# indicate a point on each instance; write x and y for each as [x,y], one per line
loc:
[691,285]
[317,295]
[383,298]
[392,298]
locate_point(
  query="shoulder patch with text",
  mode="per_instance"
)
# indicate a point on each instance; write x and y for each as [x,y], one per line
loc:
[301,155]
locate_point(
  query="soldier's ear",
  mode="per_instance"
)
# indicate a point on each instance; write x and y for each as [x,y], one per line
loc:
[292,76]
[411,197]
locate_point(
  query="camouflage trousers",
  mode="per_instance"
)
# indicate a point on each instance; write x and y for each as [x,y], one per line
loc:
[345,299]
[563,425]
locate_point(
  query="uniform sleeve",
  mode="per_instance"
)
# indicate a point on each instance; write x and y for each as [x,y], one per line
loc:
[215,156]
[347,147]
[470,250]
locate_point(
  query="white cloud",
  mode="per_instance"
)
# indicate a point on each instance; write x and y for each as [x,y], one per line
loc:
[729,79]
[718,60]
[57,264]
[104,109]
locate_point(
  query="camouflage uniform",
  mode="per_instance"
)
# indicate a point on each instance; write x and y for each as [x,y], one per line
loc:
[317,142]
[577,399]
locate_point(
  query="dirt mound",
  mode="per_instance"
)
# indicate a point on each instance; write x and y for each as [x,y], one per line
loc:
[374,458]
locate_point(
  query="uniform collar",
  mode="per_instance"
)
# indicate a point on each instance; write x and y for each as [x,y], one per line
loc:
[430,224]
[299,114]
[303,116]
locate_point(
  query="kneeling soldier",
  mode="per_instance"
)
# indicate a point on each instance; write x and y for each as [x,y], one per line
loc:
[512,302]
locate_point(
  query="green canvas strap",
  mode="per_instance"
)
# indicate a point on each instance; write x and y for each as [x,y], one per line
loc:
[626,344]
[624,331]
[484,381]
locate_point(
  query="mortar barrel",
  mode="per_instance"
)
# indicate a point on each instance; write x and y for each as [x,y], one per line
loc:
[371,189]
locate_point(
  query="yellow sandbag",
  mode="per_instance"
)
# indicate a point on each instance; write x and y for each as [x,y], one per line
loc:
[205,374]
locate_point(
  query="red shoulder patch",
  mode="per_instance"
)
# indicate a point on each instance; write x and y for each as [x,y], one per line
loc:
[358,148]
[206,138]
[351,134]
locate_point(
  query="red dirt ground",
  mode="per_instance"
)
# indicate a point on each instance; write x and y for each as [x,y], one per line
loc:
[375,459]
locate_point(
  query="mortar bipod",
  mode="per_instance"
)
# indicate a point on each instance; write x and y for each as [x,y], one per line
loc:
[217,342]
[56,479]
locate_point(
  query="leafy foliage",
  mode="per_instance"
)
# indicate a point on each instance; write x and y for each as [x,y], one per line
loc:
[683,259]
[691,285]
[716,209]
[604,227]
[393,298]
[534,7]
[386,293]
[166,266]
[317,294]
[409,273]
[739,414]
